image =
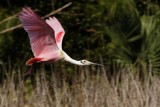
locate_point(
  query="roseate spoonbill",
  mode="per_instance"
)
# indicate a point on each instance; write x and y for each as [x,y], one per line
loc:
[46,39]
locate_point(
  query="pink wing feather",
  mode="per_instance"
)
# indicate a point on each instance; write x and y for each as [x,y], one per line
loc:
[41,35]
[58,30]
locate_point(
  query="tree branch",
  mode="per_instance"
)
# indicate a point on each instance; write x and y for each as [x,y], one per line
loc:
[8,18]
[20,25]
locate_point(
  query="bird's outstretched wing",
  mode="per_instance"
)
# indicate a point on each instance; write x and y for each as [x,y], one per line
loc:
[42,36]
[58,30]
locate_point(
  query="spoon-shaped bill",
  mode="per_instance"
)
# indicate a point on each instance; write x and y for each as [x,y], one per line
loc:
[97,64]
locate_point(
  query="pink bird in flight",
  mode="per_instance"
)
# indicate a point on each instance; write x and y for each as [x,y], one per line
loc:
[46,39]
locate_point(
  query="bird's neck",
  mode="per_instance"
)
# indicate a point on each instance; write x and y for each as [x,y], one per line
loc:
[69,59]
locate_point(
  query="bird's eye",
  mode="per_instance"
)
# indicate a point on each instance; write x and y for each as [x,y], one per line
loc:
[83,61]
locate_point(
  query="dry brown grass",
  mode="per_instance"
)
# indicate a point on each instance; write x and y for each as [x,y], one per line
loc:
[84,88]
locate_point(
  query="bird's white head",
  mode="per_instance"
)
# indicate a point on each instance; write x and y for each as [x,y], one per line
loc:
[85,62]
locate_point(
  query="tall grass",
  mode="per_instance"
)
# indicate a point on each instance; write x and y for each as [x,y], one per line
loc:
[86,87]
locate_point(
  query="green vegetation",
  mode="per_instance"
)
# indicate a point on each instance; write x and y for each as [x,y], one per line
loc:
[125,31]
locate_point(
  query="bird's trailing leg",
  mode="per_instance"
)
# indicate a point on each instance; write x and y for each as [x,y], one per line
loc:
[31,62]
[28,73]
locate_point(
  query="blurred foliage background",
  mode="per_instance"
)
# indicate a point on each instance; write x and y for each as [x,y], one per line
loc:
[122,31]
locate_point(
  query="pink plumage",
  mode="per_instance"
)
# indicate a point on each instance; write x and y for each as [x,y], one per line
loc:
[58,30]
[45,37]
